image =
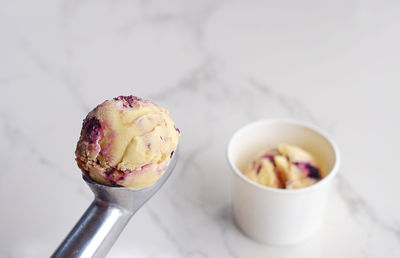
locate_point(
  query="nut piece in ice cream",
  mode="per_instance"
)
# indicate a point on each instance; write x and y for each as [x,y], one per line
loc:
[126,141]
[287,166]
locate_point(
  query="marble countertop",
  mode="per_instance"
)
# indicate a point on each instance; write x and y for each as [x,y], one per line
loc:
[216,65]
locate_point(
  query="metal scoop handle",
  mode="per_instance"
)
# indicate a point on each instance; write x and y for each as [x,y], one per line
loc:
[102,223]
[96,231]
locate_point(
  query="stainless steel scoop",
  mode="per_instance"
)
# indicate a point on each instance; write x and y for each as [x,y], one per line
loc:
[106,217]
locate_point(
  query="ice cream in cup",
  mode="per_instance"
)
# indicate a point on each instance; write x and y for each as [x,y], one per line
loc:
[282,171]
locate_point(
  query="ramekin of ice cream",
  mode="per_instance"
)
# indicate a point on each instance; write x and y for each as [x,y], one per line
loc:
[282,171]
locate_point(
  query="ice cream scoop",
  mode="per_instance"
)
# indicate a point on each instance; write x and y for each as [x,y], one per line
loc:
[126,141]
[127,150]
[102,223]
[287,166]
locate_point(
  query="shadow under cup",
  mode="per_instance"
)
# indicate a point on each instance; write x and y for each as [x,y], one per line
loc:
[279,216]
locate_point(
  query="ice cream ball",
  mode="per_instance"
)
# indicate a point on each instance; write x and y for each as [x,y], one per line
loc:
[126,141]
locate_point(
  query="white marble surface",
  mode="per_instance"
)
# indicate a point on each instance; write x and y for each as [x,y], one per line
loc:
[215,65]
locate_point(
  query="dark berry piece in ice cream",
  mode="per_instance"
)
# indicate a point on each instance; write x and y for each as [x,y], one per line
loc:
[313,171]
[129,101]
[92,129]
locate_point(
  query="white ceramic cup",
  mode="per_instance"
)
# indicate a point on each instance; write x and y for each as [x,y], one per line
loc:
[279,216]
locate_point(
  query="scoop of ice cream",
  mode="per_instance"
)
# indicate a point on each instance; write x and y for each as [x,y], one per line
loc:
[287,166]
[126,141]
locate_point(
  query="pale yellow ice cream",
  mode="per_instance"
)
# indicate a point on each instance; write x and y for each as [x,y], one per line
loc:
[287,166]
[126,141]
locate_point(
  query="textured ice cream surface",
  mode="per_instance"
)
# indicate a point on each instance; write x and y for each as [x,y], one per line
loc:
[126,141]
[286,166]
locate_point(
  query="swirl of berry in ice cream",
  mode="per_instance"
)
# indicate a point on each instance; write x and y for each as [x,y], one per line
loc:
[93,130]
[129,101]
[126,141]
[287,167]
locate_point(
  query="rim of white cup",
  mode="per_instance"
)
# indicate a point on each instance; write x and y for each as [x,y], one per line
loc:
[314,128]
